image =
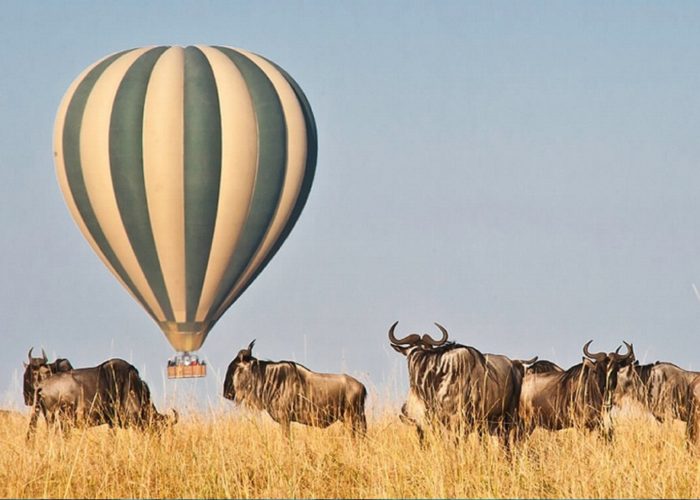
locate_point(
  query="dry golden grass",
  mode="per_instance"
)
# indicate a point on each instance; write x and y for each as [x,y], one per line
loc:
[243,455]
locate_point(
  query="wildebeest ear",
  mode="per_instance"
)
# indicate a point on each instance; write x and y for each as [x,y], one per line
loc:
[400,349]
[25,365]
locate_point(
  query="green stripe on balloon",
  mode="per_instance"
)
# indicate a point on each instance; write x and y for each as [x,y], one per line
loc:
[202,170]
[309,172]
[272,164]
[126,163]
[74,171]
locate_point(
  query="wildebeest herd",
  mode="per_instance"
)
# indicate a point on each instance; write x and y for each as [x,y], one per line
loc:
[452,387]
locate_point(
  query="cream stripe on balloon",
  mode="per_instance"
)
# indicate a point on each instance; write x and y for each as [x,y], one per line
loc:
[94,151]
[296,163]
[61,164]
[238,170]
[163,161]
[63,178]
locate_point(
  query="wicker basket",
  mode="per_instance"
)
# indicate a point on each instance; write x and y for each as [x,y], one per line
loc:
[190,371]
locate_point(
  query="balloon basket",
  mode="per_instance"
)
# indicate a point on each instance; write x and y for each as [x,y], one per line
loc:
[187,371]
[186,366]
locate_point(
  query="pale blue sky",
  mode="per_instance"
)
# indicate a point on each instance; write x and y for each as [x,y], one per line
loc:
[525,174]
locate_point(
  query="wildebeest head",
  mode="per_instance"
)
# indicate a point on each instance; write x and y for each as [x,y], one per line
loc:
[34,372]
[415,341]
[629,381]
[237,370]
[141,409]
[39,369]
[605,368]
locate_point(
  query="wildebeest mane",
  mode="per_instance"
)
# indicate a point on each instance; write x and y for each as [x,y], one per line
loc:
[574,374]
[544,366]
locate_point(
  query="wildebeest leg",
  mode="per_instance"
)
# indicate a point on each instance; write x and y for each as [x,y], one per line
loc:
[691,434]
[504,432]
[691,427]
[409,421]
[604,426]
[33,420]
[359,425]
[68,421]
[421,435]
[286,426]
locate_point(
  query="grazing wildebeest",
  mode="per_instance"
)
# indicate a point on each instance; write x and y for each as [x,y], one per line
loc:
[111,393]
[579,396]
[458,386]
[38,369]
[290,392]
[662,388]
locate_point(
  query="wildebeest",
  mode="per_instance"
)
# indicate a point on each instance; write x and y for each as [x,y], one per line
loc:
[111,393]
[38,369]
[662,388]
[692,427]
[458,386]
[579,396]
[290,392]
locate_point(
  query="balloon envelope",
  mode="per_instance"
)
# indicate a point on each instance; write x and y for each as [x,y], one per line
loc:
[185,169]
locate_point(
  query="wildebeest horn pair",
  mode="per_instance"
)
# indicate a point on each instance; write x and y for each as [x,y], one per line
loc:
[621,357]
[600,356]
[43,358]
[414,338]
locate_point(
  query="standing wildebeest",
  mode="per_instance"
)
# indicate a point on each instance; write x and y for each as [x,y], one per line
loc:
[37,370]
[290,392]
[458,386]
[662,388]
[111,393]
[692,428]
[581,395]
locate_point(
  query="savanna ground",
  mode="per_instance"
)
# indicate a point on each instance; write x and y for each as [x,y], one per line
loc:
[237,454]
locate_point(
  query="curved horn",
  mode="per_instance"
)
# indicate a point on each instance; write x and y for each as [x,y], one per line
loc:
[428,340]
[43,355]
[29,354]
[250,347]
[411,339]
[529,361]
[599,356]
[624,357]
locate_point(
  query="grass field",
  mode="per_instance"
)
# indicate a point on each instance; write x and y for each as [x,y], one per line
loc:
[224,454]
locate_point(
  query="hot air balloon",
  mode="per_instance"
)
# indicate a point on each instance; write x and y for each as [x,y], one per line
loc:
[185,168]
